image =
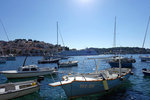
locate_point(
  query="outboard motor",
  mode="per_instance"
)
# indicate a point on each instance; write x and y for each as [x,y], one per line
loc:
[40,78]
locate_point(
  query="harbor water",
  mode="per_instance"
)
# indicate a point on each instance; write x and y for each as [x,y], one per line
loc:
[137,87]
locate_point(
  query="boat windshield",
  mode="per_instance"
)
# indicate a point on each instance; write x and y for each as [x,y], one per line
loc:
[33,69]
[25,69]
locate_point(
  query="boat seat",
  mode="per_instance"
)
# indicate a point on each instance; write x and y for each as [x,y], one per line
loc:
[2,90]
[106,75]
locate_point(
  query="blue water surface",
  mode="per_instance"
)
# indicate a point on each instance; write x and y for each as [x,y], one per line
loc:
[137,87]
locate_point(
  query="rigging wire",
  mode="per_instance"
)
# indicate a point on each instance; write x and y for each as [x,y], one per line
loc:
[146,32]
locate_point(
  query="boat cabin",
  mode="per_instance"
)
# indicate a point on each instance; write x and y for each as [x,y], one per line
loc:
[28,68]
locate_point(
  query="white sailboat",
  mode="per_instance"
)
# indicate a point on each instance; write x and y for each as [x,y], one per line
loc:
[90,83]
[68,64]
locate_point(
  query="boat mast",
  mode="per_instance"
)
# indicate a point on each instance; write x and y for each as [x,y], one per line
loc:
[6,34]
[57,36]
[146,32]
[114,45]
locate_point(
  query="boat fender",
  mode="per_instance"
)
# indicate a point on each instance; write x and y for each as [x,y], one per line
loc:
[34,83]
[105,85]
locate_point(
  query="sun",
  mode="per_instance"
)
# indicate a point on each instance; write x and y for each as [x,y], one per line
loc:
[85,1]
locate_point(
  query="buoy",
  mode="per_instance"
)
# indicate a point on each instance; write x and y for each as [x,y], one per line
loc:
[34,83]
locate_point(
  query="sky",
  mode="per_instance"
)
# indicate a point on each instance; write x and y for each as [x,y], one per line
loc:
[82,23]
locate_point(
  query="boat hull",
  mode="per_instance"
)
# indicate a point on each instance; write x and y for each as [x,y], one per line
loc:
[27,74]
[123,65]
[146,72]
[19,93]
[144,59]
[76,88]
[10,58]
[68,65]
[47,61]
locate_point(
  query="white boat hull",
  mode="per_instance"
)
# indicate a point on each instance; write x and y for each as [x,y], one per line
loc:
[27,74]
[15,94]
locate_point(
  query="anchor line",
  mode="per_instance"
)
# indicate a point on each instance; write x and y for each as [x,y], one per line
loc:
[52,77]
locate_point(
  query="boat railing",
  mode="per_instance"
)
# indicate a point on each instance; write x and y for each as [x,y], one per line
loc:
[45,69]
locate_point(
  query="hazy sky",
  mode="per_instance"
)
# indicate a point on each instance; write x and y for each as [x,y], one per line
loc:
[82,23]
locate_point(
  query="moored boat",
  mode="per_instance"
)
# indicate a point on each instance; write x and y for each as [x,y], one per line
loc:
[14,90]
[10,57]
[125,62]
[68,64]
[146,72]
[145,58]
[48,61]
[82,84]
[28,71]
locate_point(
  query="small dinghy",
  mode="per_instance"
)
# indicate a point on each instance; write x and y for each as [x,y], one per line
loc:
[146,72]
[68,64]
[14,90]
[28,71]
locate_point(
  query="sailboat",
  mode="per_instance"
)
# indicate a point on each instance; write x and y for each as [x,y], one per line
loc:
[81,84]
[125,62]
[10,56]
[56,56]
[145,58]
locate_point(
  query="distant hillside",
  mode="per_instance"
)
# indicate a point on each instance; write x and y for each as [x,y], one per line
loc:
[122,50]
[32,47]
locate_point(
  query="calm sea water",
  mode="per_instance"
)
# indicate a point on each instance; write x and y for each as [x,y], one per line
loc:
[137,87]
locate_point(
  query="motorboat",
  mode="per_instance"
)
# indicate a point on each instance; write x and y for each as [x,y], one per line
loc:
[146,72]
[68,64]
[82,84]
[28,71]
[145,58]
[48,61]
[9,91]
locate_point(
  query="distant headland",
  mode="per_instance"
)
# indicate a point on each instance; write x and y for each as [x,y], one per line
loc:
[22,47]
